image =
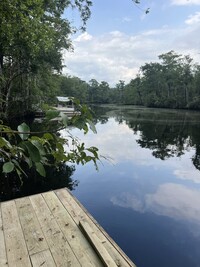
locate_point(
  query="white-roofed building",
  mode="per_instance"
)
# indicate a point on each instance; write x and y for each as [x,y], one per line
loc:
[65,104]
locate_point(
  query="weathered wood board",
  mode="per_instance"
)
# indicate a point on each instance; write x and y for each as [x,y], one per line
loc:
[53,229]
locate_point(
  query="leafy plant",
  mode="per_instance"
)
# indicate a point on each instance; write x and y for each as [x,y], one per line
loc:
[22,148]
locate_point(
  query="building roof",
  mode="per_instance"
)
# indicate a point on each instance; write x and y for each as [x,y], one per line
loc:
[63,98]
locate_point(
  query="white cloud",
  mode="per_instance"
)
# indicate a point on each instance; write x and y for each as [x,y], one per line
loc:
[127,200]
[175,201]
[184,169]
[172,200]
[113,56]
[83,37]
[126,19]
[190,175]
[118,56]
[185,2]
[193,19]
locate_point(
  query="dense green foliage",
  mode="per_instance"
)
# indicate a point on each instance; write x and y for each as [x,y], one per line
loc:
[33,34]
[22,149]
[172,83]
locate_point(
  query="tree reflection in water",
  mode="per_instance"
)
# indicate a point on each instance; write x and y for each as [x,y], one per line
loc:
[12,187]
[168,133]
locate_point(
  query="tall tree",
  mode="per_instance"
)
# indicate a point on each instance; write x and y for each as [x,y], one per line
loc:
[171,66]
[133,92]
[32,37]
[187,78]
[93,89]
[152,83]
[120,91]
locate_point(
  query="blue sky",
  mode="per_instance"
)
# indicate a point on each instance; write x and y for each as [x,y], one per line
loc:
[120,37]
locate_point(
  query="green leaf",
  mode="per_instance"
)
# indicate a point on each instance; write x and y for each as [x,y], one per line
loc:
[18,168]
[24,129]
[28,161]
[4,142]
[64,118]
[33,151]
[92,126]
[40,169]
[80,123]
[94,151]
[39,147]
[8,167]
[48,136]
[60,147]
[52,114]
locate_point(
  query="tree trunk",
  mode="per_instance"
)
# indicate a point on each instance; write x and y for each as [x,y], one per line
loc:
[186,94]
[1,63]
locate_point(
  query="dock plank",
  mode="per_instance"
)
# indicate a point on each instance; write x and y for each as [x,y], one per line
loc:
[79,213]
[33,234]
[3,258]
[79,244]
[43,259]
[53,229]
[16,249]
[58,245]
[102,252]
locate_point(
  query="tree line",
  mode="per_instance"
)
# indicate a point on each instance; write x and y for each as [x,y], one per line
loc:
[33,35]
[172,82]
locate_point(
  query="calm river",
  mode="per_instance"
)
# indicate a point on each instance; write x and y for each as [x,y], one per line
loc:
[147,195]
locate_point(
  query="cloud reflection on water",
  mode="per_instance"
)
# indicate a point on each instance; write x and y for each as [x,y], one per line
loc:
[188,174]
[116,141]
[172,200]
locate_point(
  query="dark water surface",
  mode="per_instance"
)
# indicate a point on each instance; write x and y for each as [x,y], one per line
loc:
[147,197]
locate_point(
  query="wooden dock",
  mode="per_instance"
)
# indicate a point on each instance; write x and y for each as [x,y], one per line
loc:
[53,229]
